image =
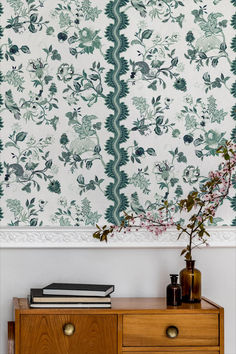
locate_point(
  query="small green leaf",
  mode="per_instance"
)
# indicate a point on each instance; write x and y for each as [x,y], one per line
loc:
[147,34]
[32,28]
[33,18]
[47,78]
[25,49]
[48,164]
[135,41]
[21,136]
[34,222]
[202,55]
[27,188]
[151,151]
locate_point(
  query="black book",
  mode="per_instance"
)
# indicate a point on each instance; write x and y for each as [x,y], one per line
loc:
[78,289]
[37,296]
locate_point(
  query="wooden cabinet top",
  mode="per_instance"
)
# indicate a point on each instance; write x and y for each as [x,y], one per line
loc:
[125,305]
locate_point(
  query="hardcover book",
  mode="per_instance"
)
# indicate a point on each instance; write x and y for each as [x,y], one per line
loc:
[68,305]
[78,289]
[37,296]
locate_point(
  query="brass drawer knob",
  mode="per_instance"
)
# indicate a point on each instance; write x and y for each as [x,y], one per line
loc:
[68,329]
[172,332]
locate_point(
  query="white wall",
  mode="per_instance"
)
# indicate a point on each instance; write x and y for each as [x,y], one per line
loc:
[135,272]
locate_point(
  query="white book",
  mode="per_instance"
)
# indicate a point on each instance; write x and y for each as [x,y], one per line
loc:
[45,305]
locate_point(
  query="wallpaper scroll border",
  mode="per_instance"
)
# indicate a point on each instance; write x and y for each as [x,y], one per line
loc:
[17,237]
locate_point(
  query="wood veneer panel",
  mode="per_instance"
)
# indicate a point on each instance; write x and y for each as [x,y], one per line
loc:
[150,330]
[189,352]
[119,335]
[44,334]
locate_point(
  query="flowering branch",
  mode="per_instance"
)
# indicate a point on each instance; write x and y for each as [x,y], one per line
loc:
[142,221]
[205,201]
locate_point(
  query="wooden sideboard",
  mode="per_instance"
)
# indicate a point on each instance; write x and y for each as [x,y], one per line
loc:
[131,326]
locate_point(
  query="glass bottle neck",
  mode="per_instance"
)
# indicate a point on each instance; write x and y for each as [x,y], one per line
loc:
[190,264]
[174,278]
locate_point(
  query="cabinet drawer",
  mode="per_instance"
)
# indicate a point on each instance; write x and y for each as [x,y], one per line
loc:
[43,334]
[150,330]
[184,352]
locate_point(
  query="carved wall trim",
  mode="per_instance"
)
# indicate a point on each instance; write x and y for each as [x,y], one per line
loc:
[17,237]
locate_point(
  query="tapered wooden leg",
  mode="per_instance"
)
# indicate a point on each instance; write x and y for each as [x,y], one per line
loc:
[11,337]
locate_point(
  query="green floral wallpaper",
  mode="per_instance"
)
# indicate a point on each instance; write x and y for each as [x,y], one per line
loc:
[112,105]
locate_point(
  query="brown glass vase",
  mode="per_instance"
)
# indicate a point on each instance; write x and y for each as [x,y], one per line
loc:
[190,281]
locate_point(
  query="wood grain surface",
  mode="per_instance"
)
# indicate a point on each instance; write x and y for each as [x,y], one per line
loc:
[131,325]
[174,352]
[122,304]
[150,330]
[44,334]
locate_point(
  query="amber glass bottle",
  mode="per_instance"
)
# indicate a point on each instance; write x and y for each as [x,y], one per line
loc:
[190,281]
[173,292]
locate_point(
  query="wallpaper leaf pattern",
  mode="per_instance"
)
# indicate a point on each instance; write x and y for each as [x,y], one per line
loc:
[112,105]
[233,111]
[1,121]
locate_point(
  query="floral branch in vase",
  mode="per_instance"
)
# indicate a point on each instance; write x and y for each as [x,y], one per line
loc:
[202,204]
[207,200]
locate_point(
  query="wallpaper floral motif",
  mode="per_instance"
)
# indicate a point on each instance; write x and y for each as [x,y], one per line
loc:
[109,106]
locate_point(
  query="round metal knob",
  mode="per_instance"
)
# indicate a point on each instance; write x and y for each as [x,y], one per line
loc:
[68,329]
[172,332]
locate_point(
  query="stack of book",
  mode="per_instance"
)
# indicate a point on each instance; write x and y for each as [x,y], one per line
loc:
[64,295]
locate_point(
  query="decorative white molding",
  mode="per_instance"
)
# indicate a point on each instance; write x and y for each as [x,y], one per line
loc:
[17,237]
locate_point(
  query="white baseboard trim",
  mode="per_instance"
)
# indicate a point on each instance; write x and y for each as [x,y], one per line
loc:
[60,237]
